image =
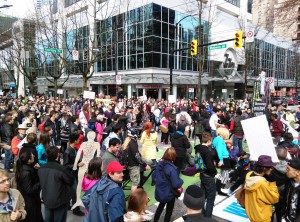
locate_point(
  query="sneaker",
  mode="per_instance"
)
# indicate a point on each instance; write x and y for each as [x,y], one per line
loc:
[226,191]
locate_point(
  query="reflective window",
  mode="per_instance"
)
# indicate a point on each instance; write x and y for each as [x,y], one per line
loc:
[156,12]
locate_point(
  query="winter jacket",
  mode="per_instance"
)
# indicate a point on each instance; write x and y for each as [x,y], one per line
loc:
[260,195]
[69,157]
[220,146]
[236,126]
[208,159]
[42,158]
[180,143]
[87,183]
[18,204]
[6,133]
[149,145]
[29,186]
[14,143]
[163,192]
[134,156]
[277,128]
[105,201]
[54,128]
[56,182]
[292,190]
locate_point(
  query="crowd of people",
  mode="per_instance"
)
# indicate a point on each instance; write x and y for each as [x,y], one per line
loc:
[46,141]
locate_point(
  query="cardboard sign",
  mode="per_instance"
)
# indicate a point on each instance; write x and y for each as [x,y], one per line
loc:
[89,95]
[171,98]
[259,139]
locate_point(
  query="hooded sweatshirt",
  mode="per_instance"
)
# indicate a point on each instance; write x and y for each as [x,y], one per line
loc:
[260,195]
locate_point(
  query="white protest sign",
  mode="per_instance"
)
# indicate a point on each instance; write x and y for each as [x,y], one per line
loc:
[229,209]
[60,91]
[259,137]
[89,95]
[171,98]
[119,79]
[290,129]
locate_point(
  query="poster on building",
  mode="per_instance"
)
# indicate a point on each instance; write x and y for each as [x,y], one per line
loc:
[230,210]
[259,139]
[118,79]
[258,106]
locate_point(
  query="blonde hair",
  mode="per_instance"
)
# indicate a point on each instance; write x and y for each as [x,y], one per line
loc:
[223,132]
[126,142]
[3,173]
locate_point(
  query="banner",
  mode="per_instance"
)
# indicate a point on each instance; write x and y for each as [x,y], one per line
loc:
[89,95]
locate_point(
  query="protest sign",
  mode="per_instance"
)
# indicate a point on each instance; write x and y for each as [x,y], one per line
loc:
[259,139]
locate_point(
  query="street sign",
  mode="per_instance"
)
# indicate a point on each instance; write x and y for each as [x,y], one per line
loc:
[213,47]
[250,35]
[75,54]
[57,51]
[118,79]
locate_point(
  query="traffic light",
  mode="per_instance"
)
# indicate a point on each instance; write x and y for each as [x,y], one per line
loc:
[194,47]
[238,39]
[85,55]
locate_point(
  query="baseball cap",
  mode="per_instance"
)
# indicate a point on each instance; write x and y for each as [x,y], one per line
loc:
[114,167]
[295,163]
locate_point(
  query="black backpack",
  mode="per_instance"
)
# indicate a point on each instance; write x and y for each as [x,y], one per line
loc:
[199,128]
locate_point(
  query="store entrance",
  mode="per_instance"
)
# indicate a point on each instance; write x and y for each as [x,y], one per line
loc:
[153,93]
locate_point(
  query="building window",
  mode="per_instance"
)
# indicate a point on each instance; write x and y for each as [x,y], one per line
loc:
[234,2]
[70,2]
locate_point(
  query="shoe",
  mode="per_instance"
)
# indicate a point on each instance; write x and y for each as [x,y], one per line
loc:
[226,191]
[78,212]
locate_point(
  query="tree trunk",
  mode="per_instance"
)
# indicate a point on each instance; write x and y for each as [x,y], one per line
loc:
[84,82]
[31,85]
[55,87]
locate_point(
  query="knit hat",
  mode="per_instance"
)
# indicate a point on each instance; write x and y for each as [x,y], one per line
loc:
[194,197]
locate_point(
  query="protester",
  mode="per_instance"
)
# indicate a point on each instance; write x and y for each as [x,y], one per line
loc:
[167,179]
[44,144]
[149,141]
[7,135]
[194,200]
[213,121]
[52,123]
[260,194]
[276,128]
[185,120]
[56,198]
[137,207]
[237,130]
[93,174]
[207,176]
[106,192]
[28,184]
[111,154]
[18,138]
[11,201]
[291,203]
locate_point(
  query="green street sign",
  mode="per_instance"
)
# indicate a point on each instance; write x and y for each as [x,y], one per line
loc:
[57,51]
[213,47]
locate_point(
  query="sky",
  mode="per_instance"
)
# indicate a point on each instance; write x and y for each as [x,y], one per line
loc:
[19,9]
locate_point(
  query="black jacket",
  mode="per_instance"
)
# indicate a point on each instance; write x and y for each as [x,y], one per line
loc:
[180,143]
[197,217]
[134,156]
[7,133]
[29,186]
[69,159]
[208,159]
[56,182]
[54,127]
[289,193]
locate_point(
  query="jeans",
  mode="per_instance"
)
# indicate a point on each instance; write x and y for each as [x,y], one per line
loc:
[74,193]
[214,133]
[208,184]
[237,142]
[169,210]
[56,215]
[7,160]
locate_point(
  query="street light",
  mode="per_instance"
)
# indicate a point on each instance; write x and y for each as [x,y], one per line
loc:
[171,61]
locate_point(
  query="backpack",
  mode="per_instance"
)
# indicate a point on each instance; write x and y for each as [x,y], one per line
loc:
[240,193]
[182,120]
[42,125]
[199,129]
[199,163]
[124,158]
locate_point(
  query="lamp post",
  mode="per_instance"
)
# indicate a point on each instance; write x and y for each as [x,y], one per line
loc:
[171,61]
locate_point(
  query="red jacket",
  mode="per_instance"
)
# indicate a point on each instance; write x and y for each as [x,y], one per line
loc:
[277,128]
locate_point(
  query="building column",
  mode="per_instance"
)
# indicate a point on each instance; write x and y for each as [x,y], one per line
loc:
[203,94]
[159,93]
[129,91]
[144,92]
[174,91]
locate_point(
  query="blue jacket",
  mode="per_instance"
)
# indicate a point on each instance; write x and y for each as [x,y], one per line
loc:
[41,154]
[105,201]
[163,191]
[220,146]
